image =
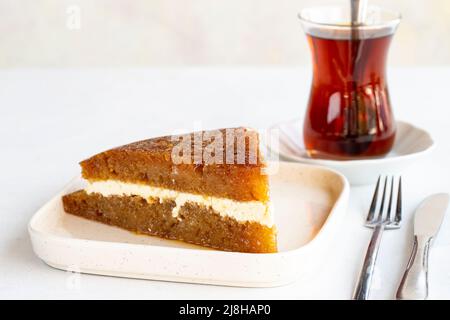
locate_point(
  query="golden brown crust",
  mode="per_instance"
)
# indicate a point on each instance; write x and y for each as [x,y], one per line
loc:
[150,162]
[195,224]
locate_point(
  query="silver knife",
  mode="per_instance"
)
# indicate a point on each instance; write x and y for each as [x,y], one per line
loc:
[428,218]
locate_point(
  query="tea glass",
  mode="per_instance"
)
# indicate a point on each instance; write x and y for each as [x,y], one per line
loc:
[349,114]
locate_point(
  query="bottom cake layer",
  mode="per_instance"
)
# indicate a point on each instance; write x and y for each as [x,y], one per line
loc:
[195,223]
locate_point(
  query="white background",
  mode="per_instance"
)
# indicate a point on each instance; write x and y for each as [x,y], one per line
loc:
[52,119]
[194,32]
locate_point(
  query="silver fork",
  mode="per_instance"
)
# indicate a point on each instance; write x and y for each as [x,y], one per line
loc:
[383,220]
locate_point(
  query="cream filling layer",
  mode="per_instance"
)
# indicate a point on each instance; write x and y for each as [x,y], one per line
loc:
[255,211]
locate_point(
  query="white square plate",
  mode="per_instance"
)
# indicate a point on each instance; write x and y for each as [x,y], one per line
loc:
[309,203]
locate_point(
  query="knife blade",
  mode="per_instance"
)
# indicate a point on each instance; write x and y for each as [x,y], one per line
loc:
[427,221]
[430,214]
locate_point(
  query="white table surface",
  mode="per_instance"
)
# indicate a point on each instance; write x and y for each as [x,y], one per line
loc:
[51,119]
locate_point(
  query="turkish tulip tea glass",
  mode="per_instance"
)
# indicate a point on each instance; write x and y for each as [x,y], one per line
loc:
[349,113]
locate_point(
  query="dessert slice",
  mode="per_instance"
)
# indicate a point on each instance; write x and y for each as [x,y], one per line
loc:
[207,188]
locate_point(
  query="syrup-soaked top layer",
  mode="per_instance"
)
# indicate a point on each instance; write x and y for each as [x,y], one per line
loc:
[223,163]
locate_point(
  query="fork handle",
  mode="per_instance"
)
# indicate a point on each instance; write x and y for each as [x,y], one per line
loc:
[414,284]
[365,278]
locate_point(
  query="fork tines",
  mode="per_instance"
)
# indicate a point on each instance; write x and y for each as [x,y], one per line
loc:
[381,210]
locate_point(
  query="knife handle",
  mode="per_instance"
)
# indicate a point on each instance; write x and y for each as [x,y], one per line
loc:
[414,284]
